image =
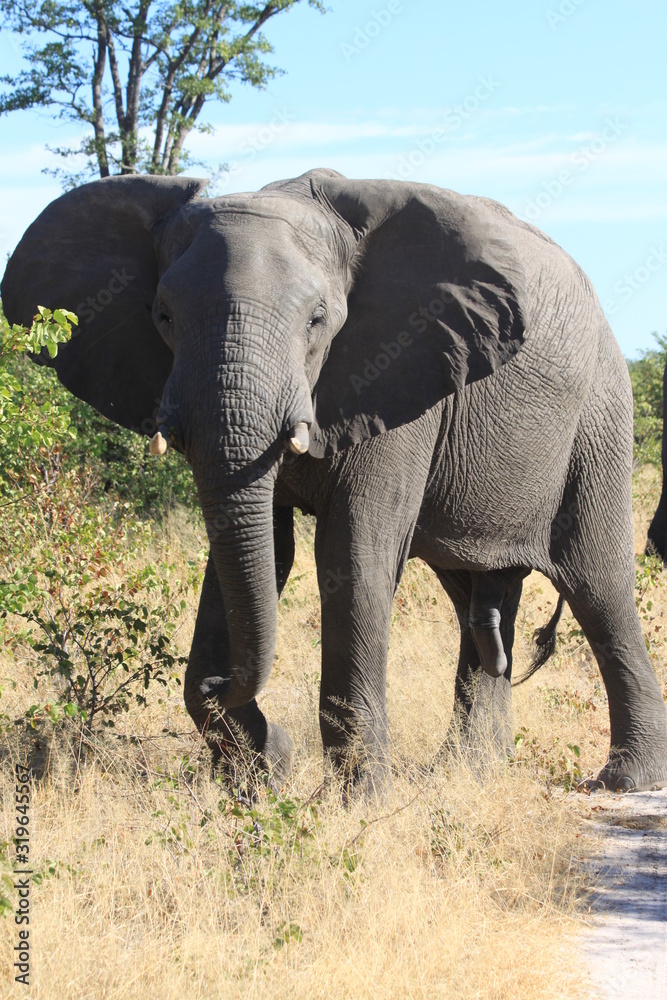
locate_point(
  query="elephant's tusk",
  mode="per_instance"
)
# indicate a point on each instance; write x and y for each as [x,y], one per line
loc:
[299,439]
[158,445]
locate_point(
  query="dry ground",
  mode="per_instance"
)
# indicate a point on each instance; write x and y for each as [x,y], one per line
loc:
[151,881]
[626,943]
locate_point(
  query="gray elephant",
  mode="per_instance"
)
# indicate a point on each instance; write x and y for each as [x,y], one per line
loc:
[423,372]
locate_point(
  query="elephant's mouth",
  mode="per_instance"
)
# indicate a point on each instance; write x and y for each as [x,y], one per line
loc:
[170,435]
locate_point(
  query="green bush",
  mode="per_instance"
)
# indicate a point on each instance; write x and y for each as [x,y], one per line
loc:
[646,377]
[99,645]
[124,466]
[44,430]
[77,594]
[34,418]
[80,598]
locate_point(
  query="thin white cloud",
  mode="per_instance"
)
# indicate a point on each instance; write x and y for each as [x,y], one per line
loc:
[623,182]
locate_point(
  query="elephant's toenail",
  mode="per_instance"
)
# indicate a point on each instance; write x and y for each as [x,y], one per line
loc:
[625,784]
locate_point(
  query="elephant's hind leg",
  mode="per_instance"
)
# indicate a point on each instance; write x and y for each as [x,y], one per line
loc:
[605,609]
[241,731]
[607,614]
[594,569]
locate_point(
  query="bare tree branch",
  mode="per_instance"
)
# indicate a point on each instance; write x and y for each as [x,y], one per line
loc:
[99,62]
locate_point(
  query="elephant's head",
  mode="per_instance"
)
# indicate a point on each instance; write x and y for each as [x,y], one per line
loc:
[319,309]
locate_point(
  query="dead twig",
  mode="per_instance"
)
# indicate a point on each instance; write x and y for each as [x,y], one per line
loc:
[378,819]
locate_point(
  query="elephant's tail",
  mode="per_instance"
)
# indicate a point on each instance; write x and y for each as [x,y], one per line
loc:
[545,641]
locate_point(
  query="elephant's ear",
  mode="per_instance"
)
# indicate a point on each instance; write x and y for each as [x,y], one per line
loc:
[436,303]
[92,251]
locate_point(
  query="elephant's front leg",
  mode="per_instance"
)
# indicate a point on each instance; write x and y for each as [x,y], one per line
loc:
[360,556]
[235,733]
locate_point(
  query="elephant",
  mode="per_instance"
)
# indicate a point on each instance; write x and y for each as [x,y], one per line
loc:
[656,543]
[426,374]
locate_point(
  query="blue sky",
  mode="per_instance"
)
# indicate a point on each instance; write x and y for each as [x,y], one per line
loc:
[556,108]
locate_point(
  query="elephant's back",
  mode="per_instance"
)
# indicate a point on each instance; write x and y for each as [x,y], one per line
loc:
[544,261]
[507,440]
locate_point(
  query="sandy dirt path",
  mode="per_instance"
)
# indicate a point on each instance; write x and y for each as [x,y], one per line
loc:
[625,949]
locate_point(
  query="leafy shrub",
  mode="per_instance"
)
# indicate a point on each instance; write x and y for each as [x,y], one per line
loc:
[274,836]
[100,629]
[45,429]
[102,646]
[34,418]
[646,378]
[124,466]
[555,764]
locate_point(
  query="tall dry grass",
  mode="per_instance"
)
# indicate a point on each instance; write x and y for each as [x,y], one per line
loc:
[467,883]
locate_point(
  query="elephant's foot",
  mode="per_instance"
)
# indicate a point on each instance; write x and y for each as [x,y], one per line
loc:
[361,777]
[372,787]
[245,762]
[278,753]
[629,772]
[356,748]
[244,745]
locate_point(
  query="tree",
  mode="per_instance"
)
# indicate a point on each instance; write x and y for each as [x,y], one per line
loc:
[175,55]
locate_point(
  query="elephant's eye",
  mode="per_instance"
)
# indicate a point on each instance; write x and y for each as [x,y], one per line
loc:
[317,319]
[164,322]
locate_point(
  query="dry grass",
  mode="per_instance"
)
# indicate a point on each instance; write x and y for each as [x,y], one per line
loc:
[457,887]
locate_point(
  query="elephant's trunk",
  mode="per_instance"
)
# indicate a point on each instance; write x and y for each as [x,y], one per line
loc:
[240,530]
[235,401]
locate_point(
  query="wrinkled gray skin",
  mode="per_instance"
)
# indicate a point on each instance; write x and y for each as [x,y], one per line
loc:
[467,404]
